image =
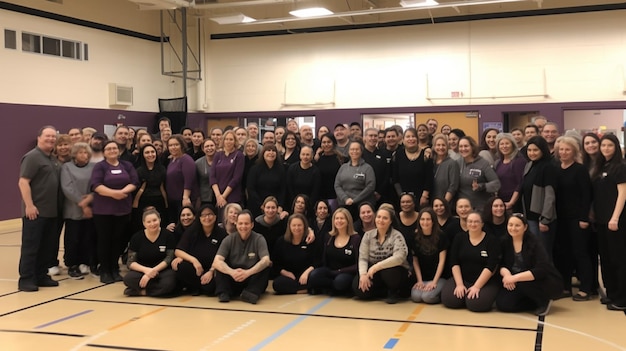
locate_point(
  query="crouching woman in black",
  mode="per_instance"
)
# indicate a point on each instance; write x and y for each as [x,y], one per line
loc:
[474,257]
[196,251]
[383,267]
[529,279]
[150,253]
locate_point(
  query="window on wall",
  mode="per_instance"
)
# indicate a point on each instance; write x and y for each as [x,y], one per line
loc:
[40,44]
[10,39]
[31,43]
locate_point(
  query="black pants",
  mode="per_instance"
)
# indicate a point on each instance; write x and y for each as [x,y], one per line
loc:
[283,285]
[79,242]
[483,303]
[525,297]
[161,285]
[323,278]
[187,278]
[571,251]
[393,280]
[612,247]
[110,230]
[37,249]
[256,283]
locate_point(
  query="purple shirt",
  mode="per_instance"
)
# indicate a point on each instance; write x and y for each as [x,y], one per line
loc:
[181,175]
[227,171]
[113,177]
[511,175]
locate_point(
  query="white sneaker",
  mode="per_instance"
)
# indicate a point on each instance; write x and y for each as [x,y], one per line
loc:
[84,269]
[54,270]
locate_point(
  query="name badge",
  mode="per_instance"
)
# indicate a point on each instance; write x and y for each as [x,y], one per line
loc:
[483,253]
[162,248]
[348,252]
[359,176]
[213,241]
[251,255]
[116,171]
[604,174]
[303,247]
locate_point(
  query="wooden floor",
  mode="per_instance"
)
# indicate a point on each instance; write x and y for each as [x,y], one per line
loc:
[87,315]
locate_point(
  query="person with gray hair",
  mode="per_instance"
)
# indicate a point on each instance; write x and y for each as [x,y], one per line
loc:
[80,233]
[509,168]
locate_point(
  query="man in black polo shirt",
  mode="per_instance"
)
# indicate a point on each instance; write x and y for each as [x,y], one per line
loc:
[39,188]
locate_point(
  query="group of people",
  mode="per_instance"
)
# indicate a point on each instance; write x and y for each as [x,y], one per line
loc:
[423,213]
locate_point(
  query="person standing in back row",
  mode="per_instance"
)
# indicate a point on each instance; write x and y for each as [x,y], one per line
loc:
[39,188]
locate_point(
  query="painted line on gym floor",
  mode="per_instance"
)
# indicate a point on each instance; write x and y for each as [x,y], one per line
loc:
[289,326]
[308,297]
[126,348]
[391,343]
[42,333]
[574,331]
[137,318]
[63,319]
[228,335]
[353,318]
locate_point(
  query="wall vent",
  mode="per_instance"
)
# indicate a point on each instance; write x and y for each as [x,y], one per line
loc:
[120,95]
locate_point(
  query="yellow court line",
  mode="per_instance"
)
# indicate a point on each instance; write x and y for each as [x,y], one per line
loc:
[136,318]
[412,317]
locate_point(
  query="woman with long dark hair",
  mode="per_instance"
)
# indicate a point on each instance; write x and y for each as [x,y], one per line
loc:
[609,179]
[412,170]
[495,216]
[529,280]
[328,161]
[180,182]
[151,190]
[196,250]
[429,258]
[266,178]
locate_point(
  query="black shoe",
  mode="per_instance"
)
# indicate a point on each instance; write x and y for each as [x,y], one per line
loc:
[95,271]
[46,281]
[75,273]
[131,292]
[605,300]
[249,297]
[224,297]
[579,297]
[28,287]
[615,307]
[543,310]
[565,294]
[392,298]
[106,278]
[117,277]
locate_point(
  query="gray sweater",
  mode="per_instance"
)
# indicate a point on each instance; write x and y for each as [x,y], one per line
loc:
[446,178]
[357,183]
[75,185]
[488,182]
[391,253]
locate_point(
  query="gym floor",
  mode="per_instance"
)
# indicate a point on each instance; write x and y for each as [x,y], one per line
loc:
[87,315]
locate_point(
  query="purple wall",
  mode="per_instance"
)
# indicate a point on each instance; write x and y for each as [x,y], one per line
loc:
[26,120]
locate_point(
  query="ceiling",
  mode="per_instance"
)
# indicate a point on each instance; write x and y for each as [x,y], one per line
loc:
[272,16]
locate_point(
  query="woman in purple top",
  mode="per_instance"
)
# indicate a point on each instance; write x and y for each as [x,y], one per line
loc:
[180,179]
[113,181]
[510,169]
[227,173]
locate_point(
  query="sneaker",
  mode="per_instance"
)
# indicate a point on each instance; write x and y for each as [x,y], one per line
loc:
[106,278]
[84,269]
[224,297]
[95,271]
[74,273]
[615,307]
[543,310]
[249,297]
[117,277]
[392,298]
[46,281]
[131,292]
[54,270]
[580,297]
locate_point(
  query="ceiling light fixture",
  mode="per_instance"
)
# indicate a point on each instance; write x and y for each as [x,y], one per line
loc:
[418,3]
[311,12]
[235,18]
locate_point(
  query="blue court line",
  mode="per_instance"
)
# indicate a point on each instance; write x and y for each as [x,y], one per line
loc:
[286,328]
[391,343]
[63,319]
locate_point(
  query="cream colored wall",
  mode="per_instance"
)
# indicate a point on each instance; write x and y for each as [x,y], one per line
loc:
[113,58]
[581,56]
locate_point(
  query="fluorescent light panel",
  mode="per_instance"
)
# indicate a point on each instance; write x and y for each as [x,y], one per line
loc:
[311,12]
[418,3]
[235,18]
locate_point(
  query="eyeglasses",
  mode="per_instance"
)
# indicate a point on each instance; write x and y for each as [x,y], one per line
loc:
[407,193]
[207,215]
